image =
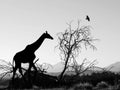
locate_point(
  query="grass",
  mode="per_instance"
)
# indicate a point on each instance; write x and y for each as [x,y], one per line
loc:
[110,88]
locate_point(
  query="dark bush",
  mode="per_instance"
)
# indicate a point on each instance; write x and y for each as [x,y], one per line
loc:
[102,85]
[84,86]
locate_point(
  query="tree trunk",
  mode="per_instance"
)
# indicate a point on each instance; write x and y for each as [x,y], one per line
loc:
[65,67]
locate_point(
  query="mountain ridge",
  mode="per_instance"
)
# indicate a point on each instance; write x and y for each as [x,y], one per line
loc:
[114,67]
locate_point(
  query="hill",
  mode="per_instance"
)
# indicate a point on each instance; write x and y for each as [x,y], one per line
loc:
[115,67]
[56,68]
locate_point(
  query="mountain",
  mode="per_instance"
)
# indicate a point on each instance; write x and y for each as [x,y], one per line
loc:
[115,67]
[56,68]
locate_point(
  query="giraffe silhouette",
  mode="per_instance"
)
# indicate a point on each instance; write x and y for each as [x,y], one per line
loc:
[28,54]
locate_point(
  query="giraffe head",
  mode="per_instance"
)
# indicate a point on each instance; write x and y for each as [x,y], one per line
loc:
[48,35]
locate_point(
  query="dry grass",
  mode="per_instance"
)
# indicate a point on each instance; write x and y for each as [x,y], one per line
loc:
[42,89]
[72,88]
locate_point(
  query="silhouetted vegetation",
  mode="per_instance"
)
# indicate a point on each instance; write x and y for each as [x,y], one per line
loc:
[95,81]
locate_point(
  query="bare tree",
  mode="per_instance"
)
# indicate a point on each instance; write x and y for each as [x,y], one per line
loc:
[42,68]
[6,68]
[84,66]
[71,41]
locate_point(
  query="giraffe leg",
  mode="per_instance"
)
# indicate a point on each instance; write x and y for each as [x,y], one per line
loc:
[14,72]
[33,65]
[35,71]
[30,66]
[29,75]
[29,69]
[20,70]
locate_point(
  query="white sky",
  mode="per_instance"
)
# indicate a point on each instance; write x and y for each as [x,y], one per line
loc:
[23,21]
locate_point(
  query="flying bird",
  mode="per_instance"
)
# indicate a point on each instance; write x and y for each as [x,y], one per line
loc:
[87,18]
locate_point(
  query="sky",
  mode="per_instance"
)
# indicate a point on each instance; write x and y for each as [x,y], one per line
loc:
[23,22]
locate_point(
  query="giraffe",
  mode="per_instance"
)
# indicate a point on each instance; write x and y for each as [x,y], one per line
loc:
[28,54]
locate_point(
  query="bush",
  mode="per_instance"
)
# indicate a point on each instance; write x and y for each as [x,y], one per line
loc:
[84,86]
[102,84]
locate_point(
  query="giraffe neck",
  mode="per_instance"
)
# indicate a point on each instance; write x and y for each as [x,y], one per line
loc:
[34,46]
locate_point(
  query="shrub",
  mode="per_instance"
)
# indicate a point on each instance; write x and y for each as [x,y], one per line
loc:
[83,86]
[102,84]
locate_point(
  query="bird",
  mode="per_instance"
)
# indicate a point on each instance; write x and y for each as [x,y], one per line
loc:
[87,18]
